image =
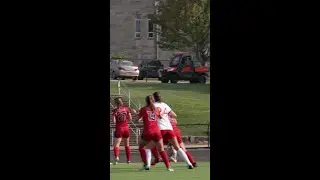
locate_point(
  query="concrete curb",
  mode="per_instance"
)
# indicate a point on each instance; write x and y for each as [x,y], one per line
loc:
[187,146]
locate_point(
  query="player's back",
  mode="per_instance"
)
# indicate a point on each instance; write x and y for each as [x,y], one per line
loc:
[163,122]
[122,116]
[149,118]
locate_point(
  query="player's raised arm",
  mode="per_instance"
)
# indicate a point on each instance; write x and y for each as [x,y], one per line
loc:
[114,119]
[172,114]
[130,116]
[133,111]
[139,115]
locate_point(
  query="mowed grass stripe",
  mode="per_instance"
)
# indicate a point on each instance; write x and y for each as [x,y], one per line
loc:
[191,102]
[159,172]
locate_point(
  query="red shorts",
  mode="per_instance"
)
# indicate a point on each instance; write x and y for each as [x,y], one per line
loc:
[167,135]
[177,132]
[122,133]
[151,136]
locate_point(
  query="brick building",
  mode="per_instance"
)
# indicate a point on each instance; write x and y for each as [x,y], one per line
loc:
[131,32]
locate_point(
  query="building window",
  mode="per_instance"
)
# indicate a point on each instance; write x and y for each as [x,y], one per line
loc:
[150,28]
[138,27]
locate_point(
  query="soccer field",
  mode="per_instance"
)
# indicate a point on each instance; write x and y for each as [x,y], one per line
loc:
[191,102]
[159,172]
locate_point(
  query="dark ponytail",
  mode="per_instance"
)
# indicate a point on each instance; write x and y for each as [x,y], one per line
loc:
[150,101]
[157,97]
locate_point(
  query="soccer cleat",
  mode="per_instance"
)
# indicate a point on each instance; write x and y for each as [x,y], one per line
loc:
[116,161]
[190,167]
[147,168]
[194,165]
[170,169]
[172,159]
[128,162]
[156,161]
[143,167]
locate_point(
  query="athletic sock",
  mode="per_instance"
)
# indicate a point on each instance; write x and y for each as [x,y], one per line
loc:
[128,153]
[116,152]
[190,157]
[183,155]
[143,155]
[165,158]
[148,154]
[155,153]
[174,155]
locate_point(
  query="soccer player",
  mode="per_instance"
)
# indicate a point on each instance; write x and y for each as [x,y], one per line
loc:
[151,133]
[121,115]
[166,127]
[177,132]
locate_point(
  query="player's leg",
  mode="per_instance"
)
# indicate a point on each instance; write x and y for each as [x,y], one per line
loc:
[149,146]
[181,152]
[127,149]
[116,145]
[142,144]
[155,154]
[172,153]
[163,154]
[126,137]
[188,154]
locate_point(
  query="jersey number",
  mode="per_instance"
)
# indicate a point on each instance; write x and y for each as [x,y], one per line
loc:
[151,116]
[121,116]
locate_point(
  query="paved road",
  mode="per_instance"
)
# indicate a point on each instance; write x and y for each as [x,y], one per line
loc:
[200,155]
[151,81]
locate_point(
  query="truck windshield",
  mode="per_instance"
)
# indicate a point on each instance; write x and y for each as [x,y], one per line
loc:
[174,61]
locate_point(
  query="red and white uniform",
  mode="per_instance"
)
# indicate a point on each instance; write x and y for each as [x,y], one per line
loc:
[176,130]
[151,131]
[164,122]
[122,117]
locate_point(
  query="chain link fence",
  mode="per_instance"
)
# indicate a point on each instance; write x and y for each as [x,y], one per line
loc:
[198,134]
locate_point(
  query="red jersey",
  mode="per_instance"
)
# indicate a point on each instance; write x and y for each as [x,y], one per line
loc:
[122,116]
[150,119]
[173,122]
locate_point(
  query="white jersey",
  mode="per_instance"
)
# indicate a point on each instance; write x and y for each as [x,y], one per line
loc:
[164,122]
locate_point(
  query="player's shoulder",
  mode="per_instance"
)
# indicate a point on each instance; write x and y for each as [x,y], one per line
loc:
[142,109]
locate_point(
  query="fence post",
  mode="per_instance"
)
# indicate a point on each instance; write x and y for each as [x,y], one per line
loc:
[138,135]
[112,132]
[129,99]
[119,87]
[208,135]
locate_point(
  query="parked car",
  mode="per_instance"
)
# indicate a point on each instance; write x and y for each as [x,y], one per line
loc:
[123,69]
[149,69]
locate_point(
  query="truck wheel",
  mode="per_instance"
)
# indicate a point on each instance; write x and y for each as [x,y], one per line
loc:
[164,80]
[193,81]
[202,79]
[174,79]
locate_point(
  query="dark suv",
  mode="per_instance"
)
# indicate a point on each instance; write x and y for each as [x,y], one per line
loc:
[149,69]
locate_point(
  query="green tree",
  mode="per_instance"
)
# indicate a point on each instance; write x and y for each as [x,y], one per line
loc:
[184,25]
[117,56]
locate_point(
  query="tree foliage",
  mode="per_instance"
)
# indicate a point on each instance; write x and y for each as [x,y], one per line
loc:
[184,25]
[117,56]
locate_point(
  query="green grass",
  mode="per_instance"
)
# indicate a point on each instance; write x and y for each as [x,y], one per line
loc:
[191,102]
[159,172]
